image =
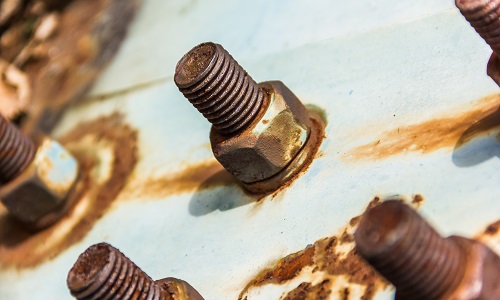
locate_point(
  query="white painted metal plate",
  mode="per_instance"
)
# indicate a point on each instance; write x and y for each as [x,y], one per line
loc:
[401,82]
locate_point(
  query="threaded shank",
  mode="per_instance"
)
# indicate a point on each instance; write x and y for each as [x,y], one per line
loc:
[103,272]
[408,252]
[218,87]
[484,16]
[16,151]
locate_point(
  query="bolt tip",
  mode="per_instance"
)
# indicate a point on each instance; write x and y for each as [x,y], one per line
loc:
[381,227]
[195,64]
[89,266]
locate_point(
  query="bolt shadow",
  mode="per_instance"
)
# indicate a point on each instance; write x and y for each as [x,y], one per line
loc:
[478,143]
[222,192]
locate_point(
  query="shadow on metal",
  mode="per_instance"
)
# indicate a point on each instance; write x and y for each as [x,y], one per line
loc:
[223,198]
[474,147]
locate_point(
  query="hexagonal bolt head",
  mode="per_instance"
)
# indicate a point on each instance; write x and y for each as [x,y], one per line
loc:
[269,144]
[41,190]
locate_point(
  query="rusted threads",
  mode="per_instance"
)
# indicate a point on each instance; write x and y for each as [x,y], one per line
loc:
[218,87]
[103,272]
[408,252]
[484,16]
[16,151]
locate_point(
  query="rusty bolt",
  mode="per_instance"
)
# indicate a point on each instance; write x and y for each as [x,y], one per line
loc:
[35,177]
[261,133]
[484,17]
[103,272]
[421,264]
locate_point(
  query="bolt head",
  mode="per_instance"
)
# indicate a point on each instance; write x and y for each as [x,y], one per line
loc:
[42,188]
[271,142]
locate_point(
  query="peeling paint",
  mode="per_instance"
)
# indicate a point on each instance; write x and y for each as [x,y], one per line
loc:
[328,258]
[327,262]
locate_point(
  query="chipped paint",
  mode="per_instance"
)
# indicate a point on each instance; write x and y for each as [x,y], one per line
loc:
[330,257]
[328,262]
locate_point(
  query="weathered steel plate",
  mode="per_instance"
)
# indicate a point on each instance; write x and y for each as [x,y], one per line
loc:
[410,112]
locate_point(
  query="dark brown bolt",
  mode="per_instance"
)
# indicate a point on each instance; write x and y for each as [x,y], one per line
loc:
[102,272]
[484,16]
[218,87]
[408,252]
[17,151]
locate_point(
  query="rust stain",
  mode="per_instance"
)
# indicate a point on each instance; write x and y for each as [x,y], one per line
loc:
[194,177]
[418,200]
[492,229]
[491,236]
[287,268]
[22,249]
[307,291]
[432,135]
[323,256]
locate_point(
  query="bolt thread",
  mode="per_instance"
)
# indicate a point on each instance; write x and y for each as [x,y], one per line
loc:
[103,272]
[484,17]
[408,252]
[218,87]
[16,151]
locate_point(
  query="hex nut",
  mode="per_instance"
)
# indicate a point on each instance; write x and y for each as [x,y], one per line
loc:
[42,188]
[482,271]
[271,142]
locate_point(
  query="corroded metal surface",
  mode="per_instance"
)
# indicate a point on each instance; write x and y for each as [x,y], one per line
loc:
[219,87]
[407,251]
[386,73]
[262,134]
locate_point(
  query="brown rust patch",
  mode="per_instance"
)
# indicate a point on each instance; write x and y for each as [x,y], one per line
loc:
[307,291]
[194,177]
[492,229]
[418,200]
[287,268]
[21,249]
[432,135]
[325,258]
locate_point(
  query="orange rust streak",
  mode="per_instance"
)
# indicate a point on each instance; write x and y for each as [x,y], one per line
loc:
[287,268]
[432,135]
[200,176]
